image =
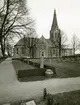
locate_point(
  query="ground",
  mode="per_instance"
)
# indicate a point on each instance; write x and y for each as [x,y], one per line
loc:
[12,90]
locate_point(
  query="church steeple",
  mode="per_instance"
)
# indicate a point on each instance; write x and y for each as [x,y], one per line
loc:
[54,25]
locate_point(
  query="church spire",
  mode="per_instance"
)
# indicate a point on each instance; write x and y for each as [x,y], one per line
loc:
[54,24]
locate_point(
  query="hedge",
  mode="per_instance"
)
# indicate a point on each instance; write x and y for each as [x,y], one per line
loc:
[31,72]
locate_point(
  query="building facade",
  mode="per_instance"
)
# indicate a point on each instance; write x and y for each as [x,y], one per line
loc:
[33,47]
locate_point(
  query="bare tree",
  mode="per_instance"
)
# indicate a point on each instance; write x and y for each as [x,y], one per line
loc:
[9,44]
[75,43]
[14,21]
[30,43]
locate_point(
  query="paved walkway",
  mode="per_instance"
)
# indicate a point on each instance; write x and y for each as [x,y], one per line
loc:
[7,72]
[12,90]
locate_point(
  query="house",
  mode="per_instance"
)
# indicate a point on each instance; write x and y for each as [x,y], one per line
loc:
[33,47]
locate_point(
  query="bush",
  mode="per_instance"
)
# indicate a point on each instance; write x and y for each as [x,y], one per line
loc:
[31,72]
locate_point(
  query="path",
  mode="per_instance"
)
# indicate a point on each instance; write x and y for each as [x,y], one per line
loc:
[7,72]
[12,90]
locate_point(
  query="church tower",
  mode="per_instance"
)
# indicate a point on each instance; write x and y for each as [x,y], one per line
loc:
[54,27]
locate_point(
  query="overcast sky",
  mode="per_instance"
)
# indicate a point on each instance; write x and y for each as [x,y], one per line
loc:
[68,15]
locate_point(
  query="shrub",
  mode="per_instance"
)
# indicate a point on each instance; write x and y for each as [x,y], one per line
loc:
[31,72]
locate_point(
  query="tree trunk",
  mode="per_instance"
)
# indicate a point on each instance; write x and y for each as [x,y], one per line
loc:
[30,52]
[2,48]
[74,51]
[33,52]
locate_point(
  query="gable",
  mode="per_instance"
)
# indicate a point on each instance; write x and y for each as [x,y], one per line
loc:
[20,42]
[45,41]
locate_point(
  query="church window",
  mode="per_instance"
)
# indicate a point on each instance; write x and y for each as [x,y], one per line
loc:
[17,50]
[52,35]
[44,46]
[50,51]
[22,50]
[53,51]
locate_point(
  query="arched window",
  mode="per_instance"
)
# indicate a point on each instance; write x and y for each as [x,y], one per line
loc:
[53,50]
[17,50]
[22,50]
[52,35]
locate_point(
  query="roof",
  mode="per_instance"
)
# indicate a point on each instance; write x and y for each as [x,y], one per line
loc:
[48,42]
[20,42]
[42,40]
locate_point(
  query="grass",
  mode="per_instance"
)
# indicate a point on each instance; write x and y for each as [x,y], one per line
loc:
[63,69]
[66,69]
[67,98]
[19,65]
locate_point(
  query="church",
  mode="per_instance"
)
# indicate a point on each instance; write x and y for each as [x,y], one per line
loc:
[49,47]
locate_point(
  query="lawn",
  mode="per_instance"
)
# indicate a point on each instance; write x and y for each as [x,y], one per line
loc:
[66,69]
[63,69]
[19,65]
[67,98]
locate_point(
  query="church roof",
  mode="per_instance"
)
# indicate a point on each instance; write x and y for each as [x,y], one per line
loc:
[41,40]
[20,42]
[48,42]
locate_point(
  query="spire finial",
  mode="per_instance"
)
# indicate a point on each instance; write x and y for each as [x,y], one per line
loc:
[54,11]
